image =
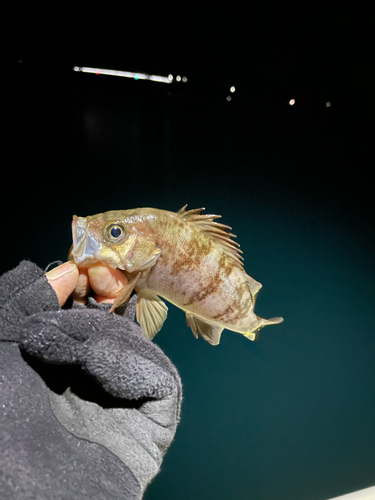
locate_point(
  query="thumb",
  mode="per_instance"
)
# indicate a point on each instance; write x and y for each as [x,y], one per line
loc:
[63,280]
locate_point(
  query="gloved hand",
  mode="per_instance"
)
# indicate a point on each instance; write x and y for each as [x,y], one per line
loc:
[115,395]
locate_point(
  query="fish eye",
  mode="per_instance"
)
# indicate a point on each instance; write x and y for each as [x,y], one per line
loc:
[115,232]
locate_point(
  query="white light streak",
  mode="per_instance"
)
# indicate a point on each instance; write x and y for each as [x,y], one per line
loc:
[125,74]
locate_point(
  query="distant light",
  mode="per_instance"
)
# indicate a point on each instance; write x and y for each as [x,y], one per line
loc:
[184,79]
[232,89]
[292,102]
[229,98]
[328,104]
[178,78]
[126,74]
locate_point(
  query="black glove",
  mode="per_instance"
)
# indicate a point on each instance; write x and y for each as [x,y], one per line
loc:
[89,407]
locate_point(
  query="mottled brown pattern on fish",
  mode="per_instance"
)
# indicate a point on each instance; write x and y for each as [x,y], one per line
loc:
[191,255]
[201,294]
[197,266]
[226,314]
[199,247]
[228,268]
[233,312]
[212,287]
[239,307]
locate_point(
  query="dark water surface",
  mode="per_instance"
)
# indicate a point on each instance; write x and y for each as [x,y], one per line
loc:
[292,415]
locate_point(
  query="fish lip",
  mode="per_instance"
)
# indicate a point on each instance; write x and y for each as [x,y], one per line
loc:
[85,246]
[79,226]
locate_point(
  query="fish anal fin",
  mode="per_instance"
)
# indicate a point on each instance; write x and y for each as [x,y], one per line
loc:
[151,313]
[250,335]
[211,333]
[216,231]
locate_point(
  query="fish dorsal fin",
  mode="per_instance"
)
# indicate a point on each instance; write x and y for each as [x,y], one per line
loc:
[254,287]
[211,333]
[218,232]
[151,312]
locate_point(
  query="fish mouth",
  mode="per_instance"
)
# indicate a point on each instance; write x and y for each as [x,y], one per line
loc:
[85,246]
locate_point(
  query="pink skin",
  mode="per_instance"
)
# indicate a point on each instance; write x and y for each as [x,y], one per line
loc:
[68,280]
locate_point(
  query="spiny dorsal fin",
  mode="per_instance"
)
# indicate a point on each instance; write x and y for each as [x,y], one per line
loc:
[254,287]
[215,230]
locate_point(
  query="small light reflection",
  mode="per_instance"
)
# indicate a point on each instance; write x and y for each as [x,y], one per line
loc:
[184,79]
[178,78]
[232,89]
[229,98]
[328,104]
[292,102]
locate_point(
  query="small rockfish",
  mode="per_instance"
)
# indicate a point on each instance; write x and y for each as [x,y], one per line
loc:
[184,257]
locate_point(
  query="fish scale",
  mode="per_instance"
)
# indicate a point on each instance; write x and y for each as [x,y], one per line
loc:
[186,258]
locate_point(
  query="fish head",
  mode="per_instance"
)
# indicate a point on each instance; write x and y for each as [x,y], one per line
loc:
[115,239]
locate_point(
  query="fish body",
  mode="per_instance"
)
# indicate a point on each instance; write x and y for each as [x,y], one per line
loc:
[186,258]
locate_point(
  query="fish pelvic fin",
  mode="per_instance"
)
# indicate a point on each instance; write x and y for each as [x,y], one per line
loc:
[211,333]
[151,312]
[216,231]
[260,323]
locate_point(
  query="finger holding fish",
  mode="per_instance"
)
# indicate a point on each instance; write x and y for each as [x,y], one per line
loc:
[106,282]
[63,279]
[103,280]
[82,287]
[68,280]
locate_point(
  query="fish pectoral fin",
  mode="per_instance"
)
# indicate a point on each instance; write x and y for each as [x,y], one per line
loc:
[151,313]
[209,332]
[150,260]
[125,292]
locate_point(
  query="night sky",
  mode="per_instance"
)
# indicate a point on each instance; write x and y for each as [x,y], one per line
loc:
[290,416]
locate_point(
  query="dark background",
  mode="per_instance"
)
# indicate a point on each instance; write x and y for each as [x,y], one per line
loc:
[292,415]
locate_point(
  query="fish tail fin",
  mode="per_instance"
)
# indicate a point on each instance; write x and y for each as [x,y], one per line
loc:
[260,323]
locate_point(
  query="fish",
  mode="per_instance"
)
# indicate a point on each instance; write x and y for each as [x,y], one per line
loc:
[184,257]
